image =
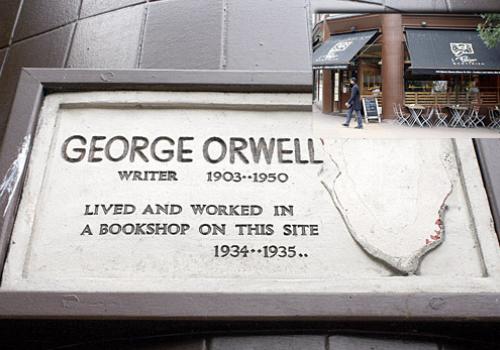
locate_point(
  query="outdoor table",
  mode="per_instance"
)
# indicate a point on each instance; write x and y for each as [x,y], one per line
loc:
[416,111]
[457,115]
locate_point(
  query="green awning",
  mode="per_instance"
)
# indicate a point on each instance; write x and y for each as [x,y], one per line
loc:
[339,50]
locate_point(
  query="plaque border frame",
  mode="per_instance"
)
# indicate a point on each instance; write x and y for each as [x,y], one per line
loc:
[35,83]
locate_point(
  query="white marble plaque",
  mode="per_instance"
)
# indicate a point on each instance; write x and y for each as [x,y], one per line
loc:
[211,192]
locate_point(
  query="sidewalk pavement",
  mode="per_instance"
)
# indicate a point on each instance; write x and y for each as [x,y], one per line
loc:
[330,126]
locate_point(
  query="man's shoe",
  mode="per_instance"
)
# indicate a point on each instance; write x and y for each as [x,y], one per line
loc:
[358,127]
[346,125]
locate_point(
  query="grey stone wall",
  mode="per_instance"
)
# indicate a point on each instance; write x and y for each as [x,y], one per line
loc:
[176,34]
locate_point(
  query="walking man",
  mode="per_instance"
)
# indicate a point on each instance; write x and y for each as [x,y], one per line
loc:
[354,104]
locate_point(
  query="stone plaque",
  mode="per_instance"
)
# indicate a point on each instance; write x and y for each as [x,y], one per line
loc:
[232,192]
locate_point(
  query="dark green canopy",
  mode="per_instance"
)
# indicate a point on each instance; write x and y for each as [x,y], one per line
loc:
[436,51]
[339,50]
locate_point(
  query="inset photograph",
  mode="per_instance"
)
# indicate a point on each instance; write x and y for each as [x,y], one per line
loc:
[406,75]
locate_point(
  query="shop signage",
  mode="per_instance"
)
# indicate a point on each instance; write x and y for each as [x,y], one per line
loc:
[219,201]
[231,192]
[463,54]
[454,52]
[338,47]
[371,109]
[336,87]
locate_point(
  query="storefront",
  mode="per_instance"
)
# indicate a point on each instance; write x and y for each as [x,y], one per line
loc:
[345,56]
[451,67]
[428,60]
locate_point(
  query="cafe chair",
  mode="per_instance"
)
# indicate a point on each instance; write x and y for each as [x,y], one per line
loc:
[397,120]
[474,119]
[468,118]
[458,116]
[441,117]
[426,117]
[495,118]
[408,117]
[402,118]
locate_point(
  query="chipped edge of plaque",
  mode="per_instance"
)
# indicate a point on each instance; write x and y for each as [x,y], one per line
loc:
[407,265]
[14,174]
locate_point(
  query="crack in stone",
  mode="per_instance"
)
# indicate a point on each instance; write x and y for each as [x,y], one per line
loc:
[406,265]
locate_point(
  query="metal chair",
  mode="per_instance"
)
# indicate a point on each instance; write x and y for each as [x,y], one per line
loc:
[468,118]
[410,119]
[441,117]
[495,118]
[474,119]
[397,120]
[402,117]
[457,117]
[426,117]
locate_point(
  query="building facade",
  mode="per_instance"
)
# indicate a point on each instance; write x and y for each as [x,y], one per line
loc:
[424,57]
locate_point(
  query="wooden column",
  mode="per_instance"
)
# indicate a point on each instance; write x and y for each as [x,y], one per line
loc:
[392,62]
[327,97]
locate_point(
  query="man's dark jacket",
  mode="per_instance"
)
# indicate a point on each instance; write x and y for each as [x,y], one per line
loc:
[355,100]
